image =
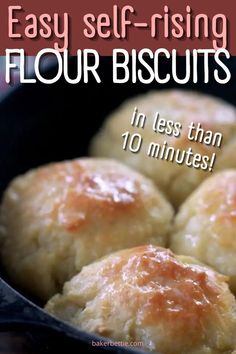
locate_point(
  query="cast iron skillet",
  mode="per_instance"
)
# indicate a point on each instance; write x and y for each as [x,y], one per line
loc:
[44,123]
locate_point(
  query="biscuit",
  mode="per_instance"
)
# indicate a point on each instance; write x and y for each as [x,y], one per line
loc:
[176,181]
[57,218]
[205,226]
[171,304]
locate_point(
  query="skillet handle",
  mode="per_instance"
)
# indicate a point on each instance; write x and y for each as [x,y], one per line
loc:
[18,312]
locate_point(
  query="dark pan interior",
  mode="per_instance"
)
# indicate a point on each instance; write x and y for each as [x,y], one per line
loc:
[44,123]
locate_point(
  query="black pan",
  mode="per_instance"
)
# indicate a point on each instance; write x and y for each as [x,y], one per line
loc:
[44,123]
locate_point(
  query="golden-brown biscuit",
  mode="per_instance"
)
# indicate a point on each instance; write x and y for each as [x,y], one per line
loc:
[57,218]
[176,181]
[205,226]
[172,304]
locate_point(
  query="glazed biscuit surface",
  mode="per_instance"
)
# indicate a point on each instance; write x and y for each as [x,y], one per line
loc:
[176,181]
[206,223]
[171,303]
[57,218]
